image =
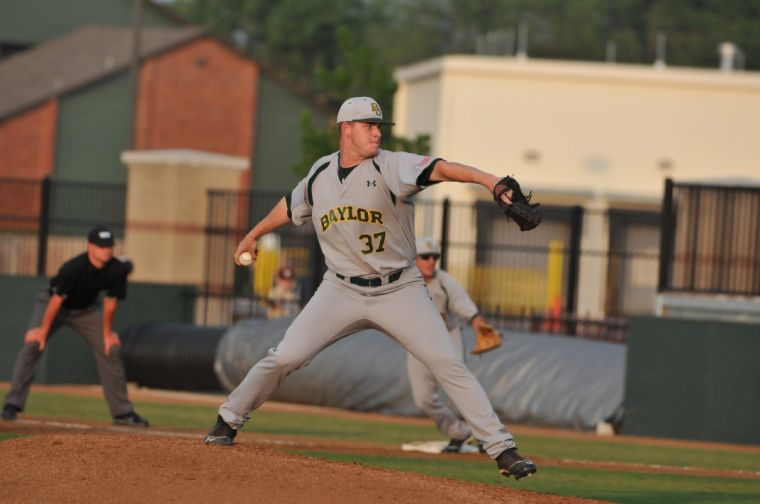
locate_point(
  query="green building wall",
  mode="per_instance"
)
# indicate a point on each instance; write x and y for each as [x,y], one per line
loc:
[278,135]
[693,379]
[94,128]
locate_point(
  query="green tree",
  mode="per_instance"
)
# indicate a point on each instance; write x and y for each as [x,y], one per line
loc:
[357,73]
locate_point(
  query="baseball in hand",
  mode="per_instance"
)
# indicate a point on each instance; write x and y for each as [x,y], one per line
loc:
[245,258]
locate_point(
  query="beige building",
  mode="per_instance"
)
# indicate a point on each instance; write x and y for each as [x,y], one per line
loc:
[597,135]
[596,130]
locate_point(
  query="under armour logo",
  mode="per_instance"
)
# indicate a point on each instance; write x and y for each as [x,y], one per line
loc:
[371,183]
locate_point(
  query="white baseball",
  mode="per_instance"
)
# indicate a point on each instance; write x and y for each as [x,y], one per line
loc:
[245,258]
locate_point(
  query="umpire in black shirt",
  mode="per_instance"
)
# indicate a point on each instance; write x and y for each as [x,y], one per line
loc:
[73,298]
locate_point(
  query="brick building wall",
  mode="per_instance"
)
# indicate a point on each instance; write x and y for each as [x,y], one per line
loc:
[27,142]
[200,96]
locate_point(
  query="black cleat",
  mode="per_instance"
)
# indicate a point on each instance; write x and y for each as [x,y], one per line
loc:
[131,419]
[10,412]
[511,463]
[222,434]
[454,446]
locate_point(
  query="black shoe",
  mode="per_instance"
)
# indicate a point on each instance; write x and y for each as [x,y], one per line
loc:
[454,446]
[10,412]
[132,419]
[511,463]
[221,434]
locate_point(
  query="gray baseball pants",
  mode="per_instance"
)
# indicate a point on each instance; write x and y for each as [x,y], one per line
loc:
[403,310]
[426,397]
[89,323]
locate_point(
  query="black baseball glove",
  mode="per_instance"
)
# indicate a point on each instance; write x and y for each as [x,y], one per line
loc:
[522,211]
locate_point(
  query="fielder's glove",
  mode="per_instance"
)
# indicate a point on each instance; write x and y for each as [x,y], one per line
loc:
[486,339]
[526,215]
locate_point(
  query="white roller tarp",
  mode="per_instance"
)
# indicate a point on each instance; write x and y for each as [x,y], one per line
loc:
[532,378]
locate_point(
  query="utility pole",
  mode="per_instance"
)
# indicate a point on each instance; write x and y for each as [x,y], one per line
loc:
[137,6]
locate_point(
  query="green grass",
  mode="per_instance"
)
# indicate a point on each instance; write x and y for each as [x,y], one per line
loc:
[9,435]
[45,404]
[617,485]
[613,451]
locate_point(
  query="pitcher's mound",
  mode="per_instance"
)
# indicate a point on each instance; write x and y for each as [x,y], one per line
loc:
[102,467]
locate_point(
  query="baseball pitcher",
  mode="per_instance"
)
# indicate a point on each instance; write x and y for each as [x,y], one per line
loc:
[360,200]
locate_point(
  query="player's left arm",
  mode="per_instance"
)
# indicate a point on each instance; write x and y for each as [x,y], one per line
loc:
[448,171]
[110,338]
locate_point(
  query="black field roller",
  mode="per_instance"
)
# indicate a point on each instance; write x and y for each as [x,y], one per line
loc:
[171,356]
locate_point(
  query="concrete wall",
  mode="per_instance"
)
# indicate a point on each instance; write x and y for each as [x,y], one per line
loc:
[68,359]
[167,210]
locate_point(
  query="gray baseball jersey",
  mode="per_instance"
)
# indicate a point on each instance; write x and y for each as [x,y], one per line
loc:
[451,299]
[364,219]
[365,222]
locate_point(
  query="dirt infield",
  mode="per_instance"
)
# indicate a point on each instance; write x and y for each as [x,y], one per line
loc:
[101,467]
[80,461]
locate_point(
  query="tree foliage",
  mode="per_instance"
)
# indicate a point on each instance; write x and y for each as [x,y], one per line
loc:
[299,36]
[337,49]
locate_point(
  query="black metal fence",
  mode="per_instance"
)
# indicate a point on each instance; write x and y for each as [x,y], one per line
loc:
[230,293]
[580,273]
[710,239]
[43,223]
[543,280]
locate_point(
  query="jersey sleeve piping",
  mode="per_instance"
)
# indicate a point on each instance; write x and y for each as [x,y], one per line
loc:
[309,194]
[423,180]
[377,167]
[287,202]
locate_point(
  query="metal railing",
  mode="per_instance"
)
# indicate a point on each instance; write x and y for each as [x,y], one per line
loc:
[44,222]
[710,239]
[530,281]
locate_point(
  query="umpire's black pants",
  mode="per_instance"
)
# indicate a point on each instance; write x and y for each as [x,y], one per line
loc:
[89,323]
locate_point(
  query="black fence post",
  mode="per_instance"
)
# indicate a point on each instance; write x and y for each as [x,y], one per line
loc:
[445,232]
[44,225]
[666,233]
[574,258]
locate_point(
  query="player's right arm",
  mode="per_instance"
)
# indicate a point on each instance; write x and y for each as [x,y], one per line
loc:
[294,207]
[40,334]
[277,217]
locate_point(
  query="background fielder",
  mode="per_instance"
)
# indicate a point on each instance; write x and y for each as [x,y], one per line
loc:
[455,306]
[360,200]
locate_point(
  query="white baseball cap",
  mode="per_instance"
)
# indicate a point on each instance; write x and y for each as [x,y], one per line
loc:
[428,246]
[361,109]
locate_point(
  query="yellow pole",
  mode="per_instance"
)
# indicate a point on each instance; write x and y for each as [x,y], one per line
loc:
[554,268]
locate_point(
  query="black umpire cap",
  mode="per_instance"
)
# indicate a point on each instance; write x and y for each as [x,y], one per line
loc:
[100,236]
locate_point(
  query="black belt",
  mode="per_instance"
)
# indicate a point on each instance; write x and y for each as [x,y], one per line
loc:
[371,282]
